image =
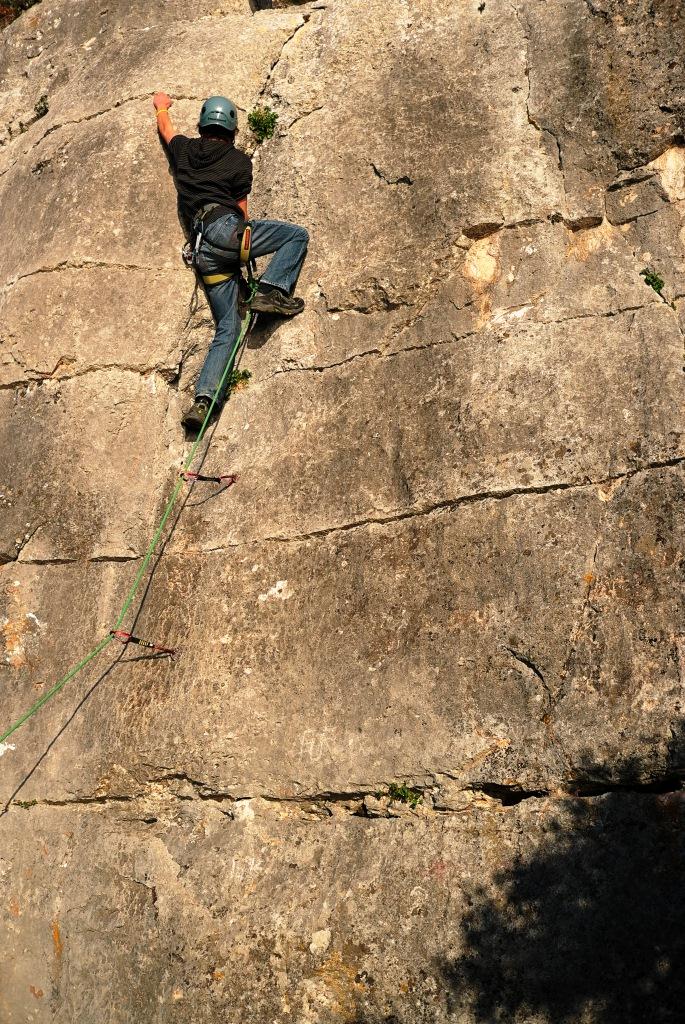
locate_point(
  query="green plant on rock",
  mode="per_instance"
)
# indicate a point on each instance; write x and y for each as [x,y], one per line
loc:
[41,108]
[653,279]
[262,122]
[401,792]
[238,380]
[26,803]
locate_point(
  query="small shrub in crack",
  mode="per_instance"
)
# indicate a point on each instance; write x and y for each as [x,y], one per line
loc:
[238,380]
[652,279]
[41,108]
[25,803]
[404,794]
[262,122]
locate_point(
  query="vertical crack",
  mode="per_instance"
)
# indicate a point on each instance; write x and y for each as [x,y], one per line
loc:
[529,116]
[590,579]
[6,557]
[532,667]
[269,78]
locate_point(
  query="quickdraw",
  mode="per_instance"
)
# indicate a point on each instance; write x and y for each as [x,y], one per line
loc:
[128,638]
[228,479]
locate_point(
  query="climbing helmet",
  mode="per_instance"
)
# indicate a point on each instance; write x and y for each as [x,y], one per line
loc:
[219,111]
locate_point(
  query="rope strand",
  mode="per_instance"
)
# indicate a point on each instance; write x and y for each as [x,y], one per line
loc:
[146,557]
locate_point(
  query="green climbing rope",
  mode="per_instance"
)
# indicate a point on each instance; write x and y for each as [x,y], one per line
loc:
[146,557]
[57,687]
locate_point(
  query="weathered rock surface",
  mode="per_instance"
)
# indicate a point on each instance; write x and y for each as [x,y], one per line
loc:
[420,756]
[201,910]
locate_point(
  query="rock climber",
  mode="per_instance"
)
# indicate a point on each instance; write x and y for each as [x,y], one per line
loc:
[213,180]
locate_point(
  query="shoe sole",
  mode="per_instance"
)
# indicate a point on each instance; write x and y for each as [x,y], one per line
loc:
[192,426]
[191,423]
[275,310]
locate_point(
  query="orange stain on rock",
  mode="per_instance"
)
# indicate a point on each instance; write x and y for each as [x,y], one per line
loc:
[37,993]
[13,632]
[438,869]
[16,627]
[588,241]
[57,939]
[481,269]
[15,910]
[343,990]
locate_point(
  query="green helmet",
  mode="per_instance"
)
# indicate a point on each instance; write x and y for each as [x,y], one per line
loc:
[220,112]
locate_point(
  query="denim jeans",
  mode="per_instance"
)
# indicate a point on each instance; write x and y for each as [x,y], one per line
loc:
[287,242]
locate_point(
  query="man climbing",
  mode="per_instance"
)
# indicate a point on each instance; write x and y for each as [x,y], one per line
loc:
[213,180]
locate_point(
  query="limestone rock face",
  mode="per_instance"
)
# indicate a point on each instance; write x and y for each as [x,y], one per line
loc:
[419,757]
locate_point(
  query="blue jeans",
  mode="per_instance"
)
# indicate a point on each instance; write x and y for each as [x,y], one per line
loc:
[288,243]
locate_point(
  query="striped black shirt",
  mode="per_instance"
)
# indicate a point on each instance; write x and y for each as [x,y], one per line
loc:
[208,171]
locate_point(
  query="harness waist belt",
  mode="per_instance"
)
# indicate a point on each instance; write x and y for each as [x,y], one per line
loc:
[212,211]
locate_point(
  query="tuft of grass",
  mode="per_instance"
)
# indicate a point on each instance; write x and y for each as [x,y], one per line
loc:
[401,792]
[41,108]
[262,122]
[653,279]
[25,803]
[238,380]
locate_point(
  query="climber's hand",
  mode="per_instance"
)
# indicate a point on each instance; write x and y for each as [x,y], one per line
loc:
[161,100]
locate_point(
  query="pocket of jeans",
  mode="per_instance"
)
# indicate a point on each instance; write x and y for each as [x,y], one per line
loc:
[224,232]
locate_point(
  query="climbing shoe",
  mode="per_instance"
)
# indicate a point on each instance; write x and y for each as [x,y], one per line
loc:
[276,301]
[195,416]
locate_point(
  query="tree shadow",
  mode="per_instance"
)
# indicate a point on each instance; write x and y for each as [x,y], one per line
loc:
[590,926]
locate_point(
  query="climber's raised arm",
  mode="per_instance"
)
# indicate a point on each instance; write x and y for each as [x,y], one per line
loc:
[162,102]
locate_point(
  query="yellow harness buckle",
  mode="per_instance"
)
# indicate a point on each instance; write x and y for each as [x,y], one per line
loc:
[216,278]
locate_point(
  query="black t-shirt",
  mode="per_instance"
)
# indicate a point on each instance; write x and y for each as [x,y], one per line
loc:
[208,171]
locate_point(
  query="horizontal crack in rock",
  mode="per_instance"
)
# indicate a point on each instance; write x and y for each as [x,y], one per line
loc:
[455,338]
[353,800]
[672,782]
[86,264]
[450,504]
[166,374]
[87,117]
[509,796]
[402,179]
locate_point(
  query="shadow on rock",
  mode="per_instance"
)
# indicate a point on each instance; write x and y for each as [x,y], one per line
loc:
[591,925]
[265,327]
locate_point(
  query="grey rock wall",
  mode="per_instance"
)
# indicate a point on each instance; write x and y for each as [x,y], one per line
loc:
[420,758]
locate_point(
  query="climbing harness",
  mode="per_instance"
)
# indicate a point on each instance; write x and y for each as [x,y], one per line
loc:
[235,256]
[128,638]
[246,246]
[116,633]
